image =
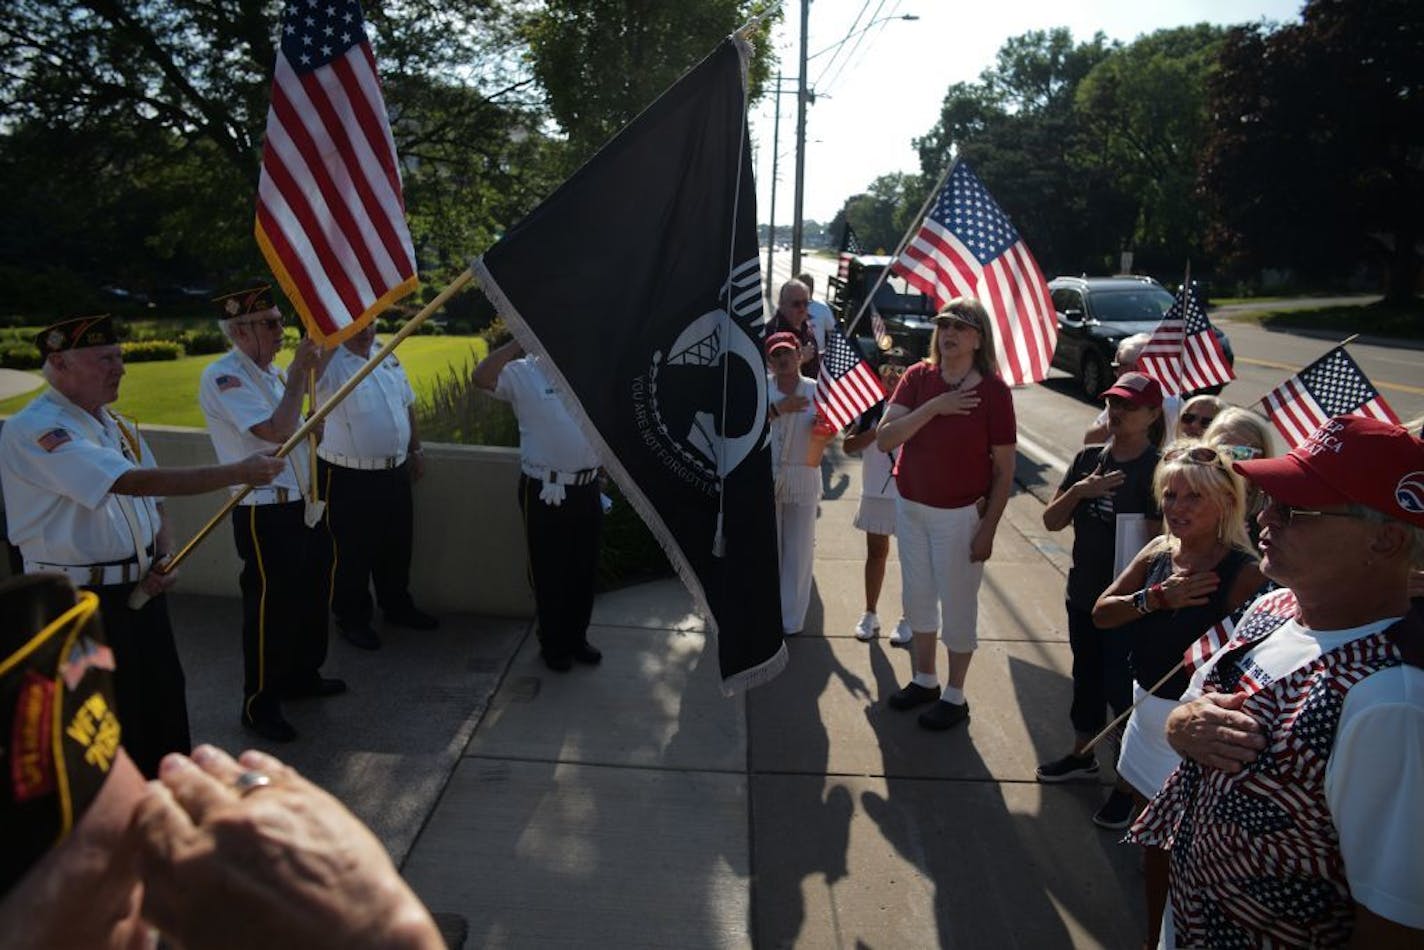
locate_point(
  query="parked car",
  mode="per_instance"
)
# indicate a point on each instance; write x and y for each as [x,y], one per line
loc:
[907,313]
[1097,313]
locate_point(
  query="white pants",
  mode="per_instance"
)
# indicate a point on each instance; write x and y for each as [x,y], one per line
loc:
[939,584]
[796,544]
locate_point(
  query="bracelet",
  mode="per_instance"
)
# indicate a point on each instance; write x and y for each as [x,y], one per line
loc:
[1156,591]
[1139,602]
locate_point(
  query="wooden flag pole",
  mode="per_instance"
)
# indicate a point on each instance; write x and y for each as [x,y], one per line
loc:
[1131,709]
[311,439]
[139,597]
[904,242]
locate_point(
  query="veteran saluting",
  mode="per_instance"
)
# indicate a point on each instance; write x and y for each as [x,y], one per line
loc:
[285,546]
[83,495]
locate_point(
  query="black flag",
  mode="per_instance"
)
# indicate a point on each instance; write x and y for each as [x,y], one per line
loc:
[639,281]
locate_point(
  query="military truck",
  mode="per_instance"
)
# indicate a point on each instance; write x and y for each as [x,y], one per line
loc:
[906,312]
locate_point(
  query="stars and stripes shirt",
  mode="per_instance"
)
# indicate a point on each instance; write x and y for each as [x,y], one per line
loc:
[1184,355]
[1333,385]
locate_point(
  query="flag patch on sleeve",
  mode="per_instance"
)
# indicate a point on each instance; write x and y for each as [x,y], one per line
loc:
[226,382]
[53,439]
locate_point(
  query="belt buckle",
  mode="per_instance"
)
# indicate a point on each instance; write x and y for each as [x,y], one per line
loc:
[96,576]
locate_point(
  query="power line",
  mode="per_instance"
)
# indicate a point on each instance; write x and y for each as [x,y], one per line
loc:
[839,46]
[850,57]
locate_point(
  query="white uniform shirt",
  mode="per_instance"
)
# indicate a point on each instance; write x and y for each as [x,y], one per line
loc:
[57,463]
[821,320]
[1374,779]
[374,421]
[236,395]
[549,438]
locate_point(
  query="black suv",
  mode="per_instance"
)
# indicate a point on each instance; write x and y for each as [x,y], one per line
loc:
[908,315]
[1096,313]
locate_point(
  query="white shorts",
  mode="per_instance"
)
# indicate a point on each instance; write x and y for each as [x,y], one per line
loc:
[875,515]
[1146,759]
[940,586]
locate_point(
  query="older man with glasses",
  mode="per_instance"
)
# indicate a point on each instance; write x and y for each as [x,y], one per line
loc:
[793,315]
[284,543]
[1294,819]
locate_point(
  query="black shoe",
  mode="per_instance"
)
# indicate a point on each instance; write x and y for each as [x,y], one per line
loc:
[315,687]
[913,695]
[586,652]
[413,619]
[363,637]
[943,715]
[1116,812]
[558,662]
[1068,768]
[265,718]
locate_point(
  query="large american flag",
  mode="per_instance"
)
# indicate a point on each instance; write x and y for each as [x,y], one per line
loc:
[850,247]
[967,247]
[1184,354]
[330,216]
[846,386]
[1333,385]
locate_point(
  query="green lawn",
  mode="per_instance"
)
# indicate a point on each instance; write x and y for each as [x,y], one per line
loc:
[167,393]
[1380,319]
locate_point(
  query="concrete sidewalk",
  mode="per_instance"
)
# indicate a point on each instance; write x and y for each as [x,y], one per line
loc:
[633,805]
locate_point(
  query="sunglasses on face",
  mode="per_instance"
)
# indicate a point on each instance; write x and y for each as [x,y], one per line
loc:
[1192,418]
[1286,514]
[1197,454]
[266,323]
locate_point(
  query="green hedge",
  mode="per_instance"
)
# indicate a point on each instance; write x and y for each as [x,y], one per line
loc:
[151,351]
[202,342]
[18,354]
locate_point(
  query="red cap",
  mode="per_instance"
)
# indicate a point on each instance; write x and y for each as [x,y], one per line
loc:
[1136,389]
[1349,460]
[781,340]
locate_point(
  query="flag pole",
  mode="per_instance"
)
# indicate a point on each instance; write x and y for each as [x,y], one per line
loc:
[1131,709]
[904,242]
[139,597]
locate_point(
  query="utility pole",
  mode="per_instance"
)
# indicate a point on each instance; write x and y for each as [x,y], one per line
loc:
[775,146]
[801,97]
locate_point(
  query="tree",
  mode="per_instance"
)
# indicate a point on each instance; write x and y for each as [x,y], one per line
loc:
[601,62]
[1313,159]
[879,216]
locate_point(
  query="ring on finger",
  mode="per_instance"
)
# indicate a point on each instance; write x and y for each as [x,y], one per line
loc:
[250,781]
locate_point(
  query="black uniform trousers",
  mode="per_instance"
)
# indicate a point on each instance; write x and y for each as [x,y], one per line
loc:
[370,514]
[286,587]
[563,561]
[149,687]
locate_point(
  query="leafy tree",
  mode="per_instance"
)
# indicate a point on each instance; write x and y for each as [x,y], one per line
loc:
[601,62]
[1313,159]
[880,216]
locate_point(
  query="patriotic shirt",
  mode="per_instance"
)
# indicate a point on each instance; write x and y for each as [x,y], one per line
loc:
[1327,815]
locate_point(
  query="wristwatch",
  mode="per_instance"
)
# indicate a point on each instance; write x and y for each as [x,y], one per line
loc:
[1139,602]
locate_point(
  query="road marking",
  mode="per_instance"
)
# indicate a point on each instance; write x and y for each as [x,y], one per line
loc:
[1379,384]
[1036,451]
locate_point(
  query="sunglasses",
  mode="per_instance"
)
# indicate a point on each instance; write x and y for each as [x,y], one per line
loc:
[1192,418]
[1198,454]
[266,323]
[1287,514]
[1240,453]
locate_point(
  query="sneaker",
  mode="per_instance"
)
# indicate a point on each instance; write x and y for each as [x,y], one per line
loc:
[902,635]
[1116,812]
[868,627]
[944,715]
[913,695]
[1069,768]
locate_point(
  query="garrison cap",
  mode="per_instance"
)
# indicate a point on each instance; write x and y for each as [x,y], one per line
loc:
[241,303]
[76,333]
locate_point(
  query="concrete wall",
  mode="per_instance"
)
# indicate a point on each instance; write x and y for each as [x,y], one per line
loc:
[469,545]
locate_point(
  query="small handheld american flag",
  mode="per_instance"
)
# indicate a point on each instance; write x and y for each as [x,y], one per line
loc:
[847,386]
[1333,385]
[1184,354]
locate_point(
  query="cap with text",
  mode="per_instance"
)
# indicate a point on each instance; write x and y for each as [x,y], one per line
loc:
[76,334]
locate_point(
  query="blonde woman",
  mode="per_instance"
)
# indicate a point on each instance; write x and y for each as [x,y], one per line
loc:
[1242,435]
[953,419]
[1176,589]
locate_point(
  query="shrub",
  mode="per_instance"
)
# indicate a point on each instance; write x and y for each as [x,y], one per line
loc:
[496,334]
[19,354]
[151,351]
[202,342]
[460,328]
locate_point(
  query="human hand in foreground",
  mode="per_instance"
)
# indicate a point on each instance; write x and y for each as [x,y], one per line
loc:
[259,468]
[250,854]
[1187,589]
[1212,730]
[955,403]
[156,581]
[1096,484]
[981,547]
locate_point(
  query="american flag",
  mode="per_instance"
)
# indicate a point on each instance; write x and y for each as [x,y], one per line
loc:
[877,324]
[330,216]
[850,247]
[967,247]
[847,386]
[1333,385]
[1184,354]
[1271,601]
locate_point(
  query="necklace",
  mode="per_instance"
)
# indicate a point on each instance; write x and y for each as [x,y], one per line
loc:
[953,386]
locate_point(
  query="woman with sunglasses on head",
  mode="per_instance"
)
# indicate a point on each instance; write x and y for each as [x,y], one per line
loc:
[953,419]
[1197,413]
[1106,493]
[1177,588]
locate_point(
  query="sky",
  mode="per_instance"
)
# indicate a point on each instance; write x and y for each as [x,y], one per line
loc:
[872,103]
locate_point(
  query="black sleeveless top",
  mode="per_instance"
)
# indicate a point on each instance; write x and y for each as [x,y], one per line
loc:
[1157,641]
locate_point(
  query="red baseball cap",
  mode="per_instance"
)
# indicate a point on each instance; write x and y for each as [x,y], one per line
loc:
[781,340]
[1348,460]
[1136,389]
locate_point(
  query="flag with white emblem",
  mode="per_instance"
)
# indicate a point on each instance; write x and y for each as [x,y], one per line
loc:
[330,214]
[968,247]
[1333,385]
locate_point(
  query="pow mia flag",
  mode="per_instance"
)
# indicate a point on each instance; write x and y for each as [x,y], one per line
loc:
[639,281]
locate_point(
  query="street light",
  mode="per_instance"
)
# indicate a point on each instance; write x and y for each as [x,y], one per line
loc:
[850,36]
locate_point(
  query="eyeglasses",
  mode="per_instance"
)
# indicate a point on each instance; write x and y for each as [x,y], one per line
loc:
[798,304]
[1199,454]
[266,323]
[1286,514]
[1241,453]
[1191,418]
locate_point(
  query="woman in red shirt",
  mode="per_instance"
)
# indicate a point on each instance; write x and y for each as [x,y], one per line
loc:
[954,417]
